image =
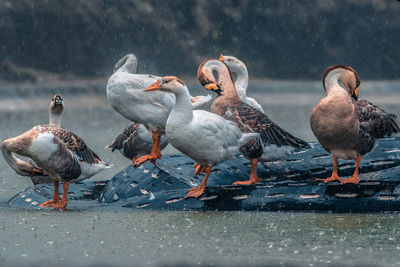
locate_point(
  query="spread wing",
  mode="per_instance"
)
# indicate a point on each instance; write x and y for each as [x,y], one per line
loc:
[375,120]
[250,119]
[76,145]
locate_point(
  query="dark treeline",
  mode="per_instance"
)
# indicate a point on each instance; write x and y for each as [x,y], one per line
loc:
[275,38]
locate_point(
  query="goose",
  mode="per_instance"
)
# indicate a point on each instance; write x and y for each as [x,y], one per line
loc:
[29,168]
[125,94]
[346,126]
[58,153]
[135,141]
[205,137]
[239,68]
[56,110]
[275,143]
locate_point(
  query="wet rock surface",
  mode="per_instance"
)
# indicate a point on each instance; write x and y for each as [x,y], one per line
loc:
[286,185]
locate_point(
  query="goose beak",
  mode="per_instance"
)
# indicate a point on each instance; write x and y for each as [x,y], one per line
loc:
[355,93]
[221,57]
[194,99]
[154,87]
[58,101]
[214,87]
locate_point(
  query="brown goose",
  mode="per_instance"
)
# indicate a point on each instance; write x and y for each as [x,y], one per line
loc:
[59,153]
[345,125]
[274,143]
[56,110]
[29,168]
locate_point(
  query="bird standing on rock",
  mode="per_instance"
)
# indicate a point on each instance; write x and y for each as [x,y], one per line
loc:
[142,139]
[242,80]
[274,143]
[346,126]
[57,153]
[205,137]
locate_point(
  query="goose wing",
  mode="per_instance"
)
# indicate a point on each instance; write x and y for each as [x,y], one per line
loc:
[131,130]
[374,120]
[75,144]
[250,119]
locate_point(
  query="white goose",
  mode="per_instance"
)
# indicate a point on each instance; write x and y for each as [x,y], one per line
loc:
[135,141]
[126,96]
[57,152]
[205,137]
[242,80]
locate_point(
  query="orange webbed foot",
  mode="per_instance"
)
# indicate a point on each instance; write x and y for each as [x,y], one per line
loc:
[253,180]
[61,206]
[331,179]
[351,180]
[49,203]
[145,158]
[195,192]
[248,182]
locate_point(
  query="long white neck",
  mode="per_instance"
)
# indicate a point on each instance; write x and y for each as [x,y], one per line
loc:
[55,119]
[130,65]
[183,109]
[242,81]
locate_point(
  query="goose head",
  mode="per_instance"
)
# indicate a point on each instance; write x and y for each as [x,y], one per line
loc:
[56,105]
[207,78]
[234,64]
[169,84]
[345,76]
[128,64]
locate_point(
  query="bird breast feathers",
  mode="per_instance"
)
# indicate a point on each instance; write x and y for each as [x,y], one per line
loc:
[43,146]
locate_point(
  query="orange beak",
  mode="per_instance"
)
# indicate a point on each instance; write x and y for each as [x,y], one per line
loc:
[154,87]
[194,99]
[356,91]
[221,57]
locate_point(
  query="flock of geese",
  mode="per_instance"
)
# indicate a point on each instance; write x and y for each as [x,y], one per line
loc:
[162,111]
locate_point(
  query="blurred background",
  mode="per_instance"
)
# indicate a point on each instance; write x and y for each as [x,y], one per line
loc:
[276,39]
[70,48]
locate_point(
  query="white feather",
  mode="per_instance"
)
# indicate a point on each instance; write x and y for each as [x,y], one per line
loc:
[43,146]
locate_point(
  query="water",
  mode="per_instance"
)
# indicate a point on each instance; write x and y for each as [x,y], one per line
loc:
[121,238]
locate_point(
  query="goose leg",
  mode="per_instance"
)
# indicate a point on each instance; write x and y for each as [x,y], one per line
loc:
[334,176]
[199,169]
[198,191]
[353,179]
[56,196]
[63,204]
[155,151]
[253,175]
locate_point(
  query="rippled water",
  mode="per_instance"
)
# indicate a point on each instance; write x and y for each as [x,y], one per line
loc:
[122,238]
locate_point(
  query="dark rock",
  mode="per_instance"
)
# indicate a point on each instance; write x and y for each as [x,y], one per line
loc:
[81,192]
[286,185]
